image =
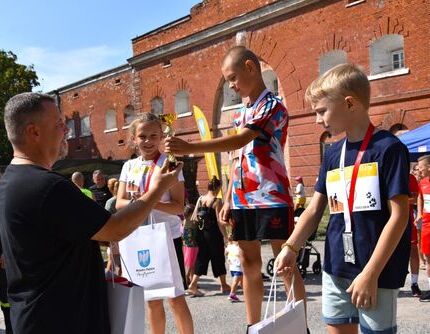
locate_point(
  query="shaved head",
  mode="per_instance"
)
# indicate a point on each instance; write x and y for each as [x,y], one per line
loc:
[78,179]
[238,55]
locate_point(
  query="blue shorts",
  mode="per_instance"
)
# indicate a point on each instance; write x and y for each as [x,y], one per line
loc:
[337,308]
[236,273]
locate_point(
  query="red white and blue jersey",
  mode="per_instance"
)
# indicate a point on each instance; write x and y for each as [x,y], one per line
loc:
[260,177]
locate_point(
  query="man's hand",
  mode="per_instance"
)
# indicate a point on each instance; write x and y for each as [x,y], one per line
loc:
[224,214]
[163,179]
[176,145]
[363,291]
[285,262]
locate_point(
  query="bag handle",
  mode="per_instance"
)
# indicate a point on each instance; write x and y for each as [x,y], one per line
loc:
[273,289]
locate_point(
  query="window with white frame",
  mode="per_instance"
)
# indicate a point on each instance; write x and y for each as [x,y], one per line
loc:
[230,97]
[398,59]
[271,81]
[85,126]
[70,123]
[387,54]
[157,105]
[182,104]
[331,59]
[111,120]
[129,115]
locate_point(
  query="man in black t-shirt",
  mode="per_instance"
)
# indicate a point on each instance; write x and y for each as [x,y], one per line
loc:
[49,229]
[100,189]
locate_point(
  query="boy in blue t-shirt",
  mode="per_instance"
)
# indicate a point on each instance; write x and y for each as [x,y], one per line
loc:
[367,243]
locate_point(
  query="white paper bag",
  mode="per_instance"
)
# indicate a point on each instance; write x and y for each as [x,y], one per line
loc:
[126,309]
[291,319]
[149,256]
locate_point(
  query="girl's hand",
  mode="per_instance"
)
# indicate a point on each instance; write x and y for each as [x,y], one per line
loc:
[224,214]
[363,291]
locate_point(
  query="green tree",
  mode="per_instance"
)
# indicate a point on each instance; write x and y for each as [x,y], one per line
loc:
[14,79]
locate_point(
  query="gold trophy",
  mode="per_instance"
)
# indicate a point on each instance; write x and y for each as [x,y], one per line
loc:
[167,120]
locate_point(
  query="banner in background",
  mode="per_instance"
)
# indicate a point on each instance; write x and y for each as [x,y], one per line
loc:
[205,134]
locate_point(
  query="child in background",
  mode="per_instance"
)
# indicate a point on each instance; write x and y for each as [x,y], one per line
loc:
[189,239]
[232,251]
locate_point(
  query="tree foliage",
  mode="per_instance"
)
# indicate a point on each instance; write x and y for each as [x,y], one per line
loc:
[14,79]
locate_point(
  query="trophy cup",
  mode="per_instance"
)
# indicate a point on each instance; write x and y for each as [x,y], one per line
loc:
[167,120]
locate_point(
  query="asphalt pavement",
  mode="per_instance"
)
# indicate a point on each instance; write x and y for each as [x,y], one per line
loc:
[213,313]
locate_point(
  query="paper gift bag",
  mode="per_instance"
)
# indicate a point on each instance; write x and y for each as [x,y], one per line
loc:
[291,319]
[126,308]
[150,258]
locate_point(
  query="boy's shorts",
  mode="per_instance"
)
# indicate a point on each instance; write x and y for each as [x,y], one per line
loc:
[235,273]
[337,308]
[259,224]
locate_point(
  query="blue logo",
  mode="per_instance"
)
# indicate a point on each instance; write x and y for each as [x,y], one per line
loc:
[144,258]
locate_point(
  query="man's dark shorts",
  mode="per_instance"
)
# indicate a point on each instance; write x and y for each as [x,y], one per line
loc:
[259,224]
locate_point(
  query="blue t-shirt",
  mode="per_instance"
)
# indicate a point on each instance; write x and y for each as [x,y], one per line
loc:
[383,174]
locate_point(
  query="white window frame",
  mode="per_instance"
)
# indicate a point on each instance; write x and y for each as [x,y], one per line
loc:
[114,127]
[86,133]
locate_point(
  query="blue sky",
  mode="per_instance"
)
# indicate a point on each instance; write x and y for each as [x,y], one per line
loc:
[72,39]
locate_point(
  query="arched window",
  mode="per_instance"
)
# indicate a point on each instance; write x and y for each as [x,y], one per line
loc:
[271,81]
[332,58]
[129,115]
[182,104]
[157,105]
[325,142]
[386,54]
[111,120]
[230,97]
[85,126]
[72,130]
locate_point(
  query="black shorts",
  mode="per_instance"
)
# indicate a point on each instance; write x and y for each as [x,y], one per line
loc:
[259,224]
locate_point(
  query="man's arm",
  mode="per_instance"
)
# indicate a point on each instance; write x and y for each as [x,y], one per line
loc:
[364,286]
[125,221]
[176,145]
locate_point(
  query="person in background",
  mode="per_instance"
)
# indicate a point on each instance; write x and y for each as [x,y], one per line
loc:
[300,193]
[78,179]
[113,249]
[423,216]
[189,238]
[414,260]
[100,189]
[211,235]
[232,251]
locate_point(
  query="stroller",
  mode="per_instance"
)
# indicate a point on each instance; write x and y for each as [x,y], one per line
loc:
[303,259]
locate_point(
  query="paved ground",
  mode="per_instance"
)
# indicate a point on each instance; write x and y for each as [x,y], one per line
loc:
[213,313]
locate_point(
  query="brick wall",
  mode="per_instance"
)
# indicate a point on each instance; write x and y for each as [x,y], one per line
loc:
[290,45]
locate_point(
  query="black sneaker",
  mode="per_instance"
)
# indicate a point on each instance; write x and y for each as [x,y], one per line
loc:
[425,297]
[416,292]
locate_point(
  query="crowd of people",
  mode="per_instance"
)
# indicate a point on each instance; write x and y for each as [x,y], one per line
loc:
[51,228]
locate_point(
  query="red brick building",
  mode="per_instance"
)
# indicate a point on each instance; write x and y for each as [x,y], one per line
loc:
[178,65]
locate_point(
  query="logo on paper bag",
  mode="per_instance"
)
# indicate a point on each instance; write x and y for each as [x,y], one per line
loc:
[144,258]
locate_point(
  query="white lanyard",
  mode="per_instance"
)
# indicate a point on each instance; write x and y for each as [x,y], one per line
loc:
[346,211]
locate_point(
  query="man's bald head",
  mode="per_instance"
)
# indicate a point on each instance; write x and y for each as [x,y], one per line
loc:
[238,55]
[78,179]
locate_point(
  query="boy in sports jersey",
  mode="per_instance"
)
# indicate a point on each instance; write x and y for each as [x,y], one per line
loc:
[258,196]
[424,215]
[366,247]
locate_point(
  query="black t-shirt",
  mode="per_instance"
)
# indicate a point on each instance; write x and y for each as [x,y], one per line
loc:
[55,271]
[101,195]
